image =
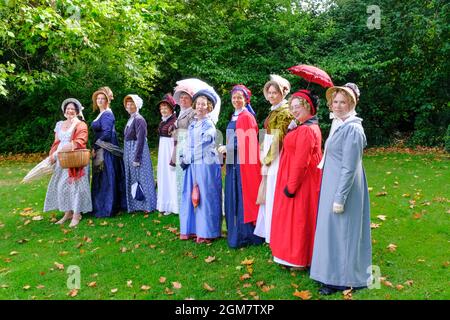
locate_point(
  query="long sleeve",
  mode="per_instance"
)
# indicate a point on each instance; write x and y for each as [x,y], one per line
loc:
[80,136]
[141,135]
[278,128]
[107,124]
[304,147]
[351,159]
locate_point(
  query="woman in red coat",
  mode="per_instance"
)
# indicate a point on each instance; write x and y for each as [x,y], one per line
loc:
[298,185]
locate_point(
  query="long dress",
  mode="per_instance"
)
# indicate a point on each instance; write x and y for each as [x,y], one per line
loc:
[167,177]
[342,253]
[276,125]
[108,178]
[65,193]
[136,150]
[242,180]
[296,196]
[200,154]
[182,123]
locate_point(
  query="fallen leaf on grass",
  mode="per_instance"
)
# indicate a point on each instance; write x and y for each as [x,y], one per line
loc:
[168,291]
[409,282]
[176,285]
[247,261]
[446,264]
[120,225]
[72,293]
[245,277]
[114,290]
[37,218]
[381,217]
[266,288]
[294,285]
[381,194]
[104,223]
[13,253]
[208,287]
[63,253]
[247,285]
[347,294]
[4,286]
[399,287]
[162,279]
[392,247]
[417,215]
[92,284]
[173,230]
[375,225]
[40,286]
[129,283]
[304,295]
[27,222]
[59,266]
[26,287]
[145,288]
[210,259]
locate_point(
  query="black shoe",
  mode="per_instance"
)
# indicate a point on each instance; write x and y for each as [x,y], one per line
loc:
[326,291]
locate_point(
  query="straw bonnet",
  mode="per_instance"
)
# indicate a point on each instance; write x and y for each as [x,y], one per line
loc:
[283,85]
[351,92]
[104,90]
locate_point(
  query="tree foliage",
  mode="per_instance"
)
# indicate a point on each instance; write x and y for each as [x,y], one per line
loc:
[55,49]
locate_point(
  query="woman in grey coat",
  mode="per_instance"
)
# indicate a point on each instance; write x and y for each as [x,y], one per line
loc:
[342,255]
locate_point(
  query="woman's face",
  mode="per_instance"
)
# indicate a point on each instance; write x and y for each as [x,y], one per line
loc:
[165,109]
[340,105]
[299,108]
[274,96]
[71,111]
[201,107]
[238,100]
[101,100]
[185,100]
[130,106]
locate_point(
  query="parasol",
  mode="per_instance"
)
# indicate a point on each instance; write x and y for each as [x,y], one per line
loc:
[194,85]
[42,169]
[312,74]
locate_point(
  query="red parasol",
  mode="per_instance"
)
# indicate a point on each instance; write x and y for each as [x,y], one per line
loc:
[312,74]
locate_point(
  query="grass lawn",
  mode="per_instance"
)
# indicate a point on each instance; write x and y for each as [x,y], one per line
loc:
[139,256]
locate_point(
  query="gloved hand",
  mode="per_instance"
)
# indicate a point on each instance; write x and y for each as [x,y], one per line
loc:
[136,164]
[338,208]
[222,149]
[183,165]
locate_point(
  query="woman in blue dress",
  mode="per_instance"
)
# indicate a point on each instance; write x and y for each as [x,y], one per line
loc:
[243,171]
[202,168]
[136,156]
[108,177]
[342,254]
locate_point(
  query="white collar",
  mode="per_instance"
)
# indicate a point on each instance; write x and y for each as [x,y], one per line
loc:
[101,112]
[275,107]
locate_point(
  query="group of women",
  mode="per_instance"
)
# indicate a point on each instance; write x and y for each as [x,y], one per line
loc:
[312,209]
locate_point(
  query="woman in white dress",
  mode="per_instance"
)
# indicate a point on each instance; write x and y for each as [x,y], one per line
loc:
[68,189]
[167,202]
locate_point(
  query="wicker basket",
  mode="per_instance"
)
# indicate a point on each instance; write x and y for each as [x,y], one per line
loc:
[74,159]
